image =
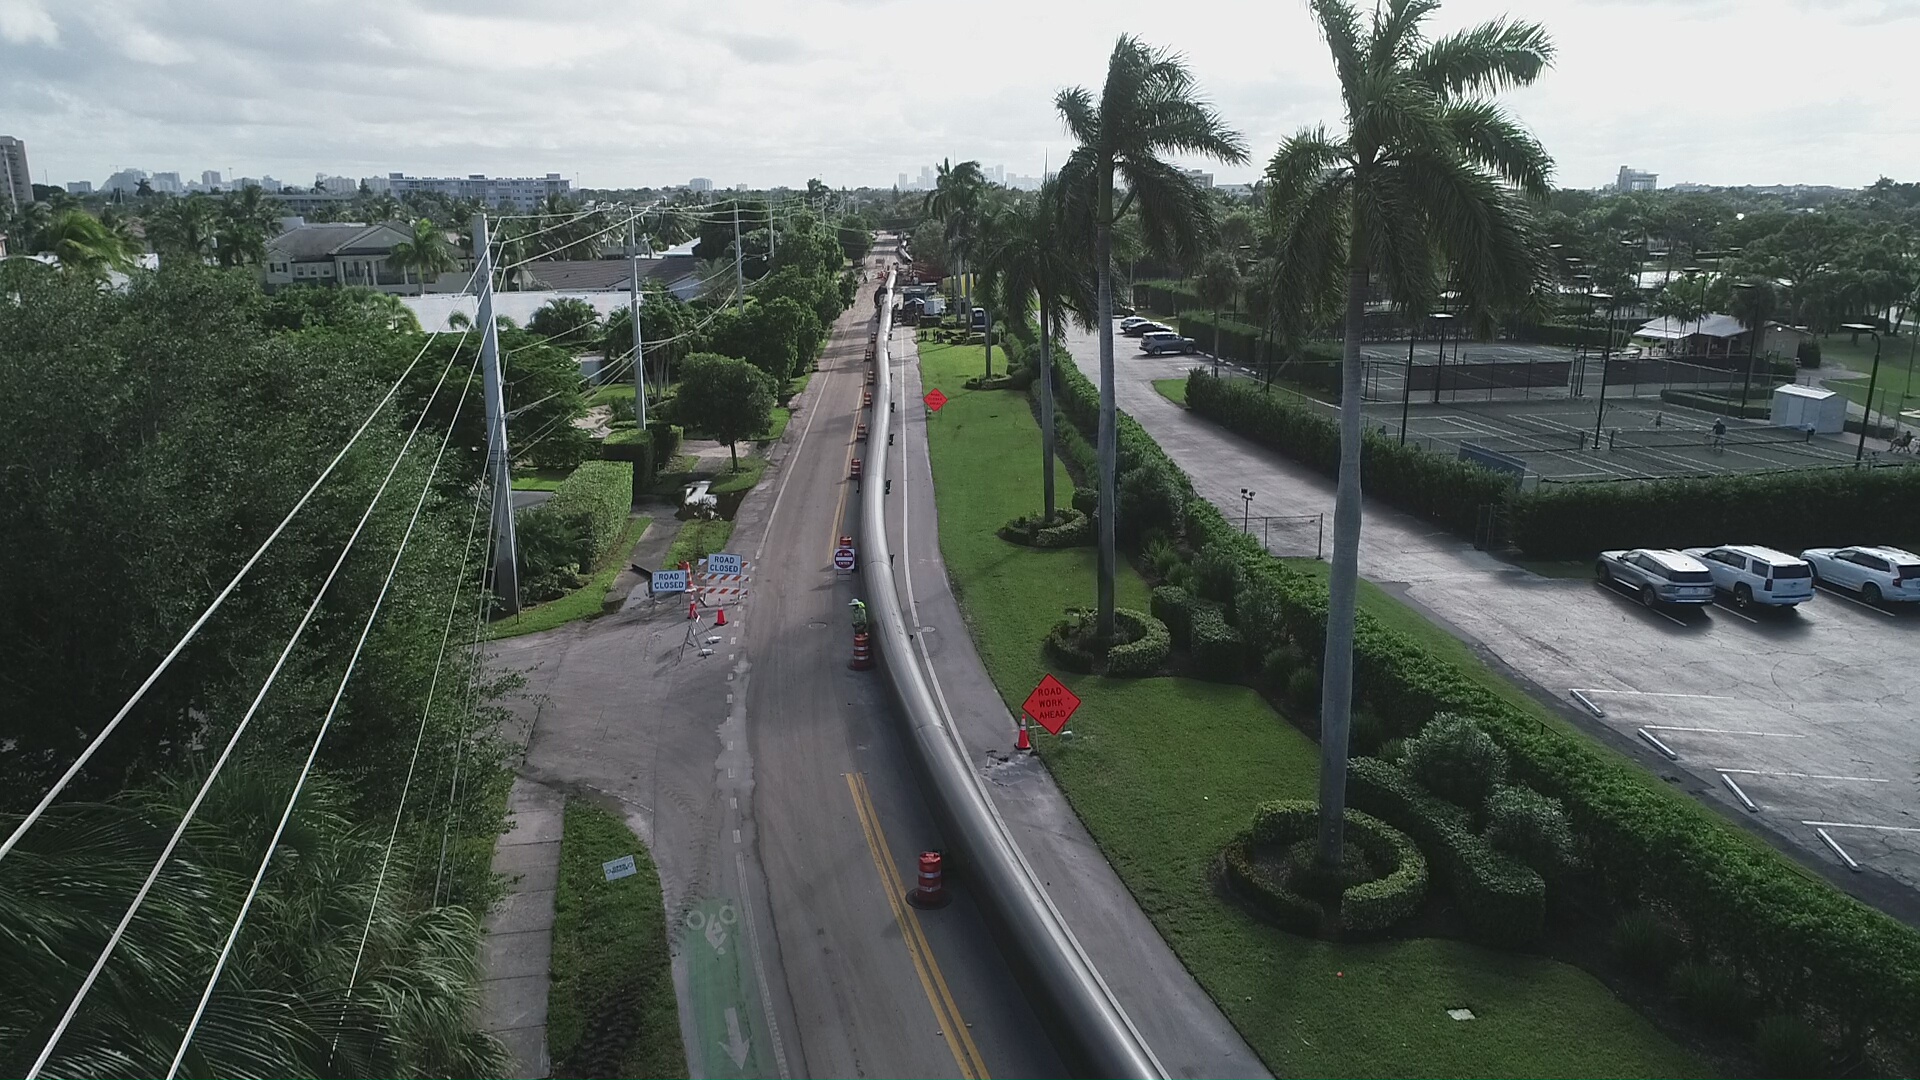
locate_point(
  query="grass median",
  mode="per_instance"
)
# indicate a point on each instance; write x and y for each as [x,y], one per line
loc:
[1165,771]
[611,1010]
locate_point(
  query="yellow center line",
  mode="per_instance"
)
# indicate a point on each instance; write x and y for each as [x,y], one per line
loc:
[952,1025]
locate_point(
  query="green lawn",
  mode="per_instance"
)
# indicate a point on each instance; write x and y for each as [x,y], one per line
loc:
[751,469]
[1174,390]
[777,426]
[1164,771]
[612,392]
[540,479]
[798,384]
[1898,389]
[697,539]
[611,1010]
[585,602]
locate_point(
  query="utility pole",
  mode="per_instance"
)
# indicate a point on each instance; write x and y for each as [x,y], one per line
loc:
[633,309]
[739,274]
[506,565]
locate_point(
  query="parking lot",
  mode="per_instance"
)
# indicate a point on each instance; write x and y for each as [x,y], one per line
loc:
[1805,719]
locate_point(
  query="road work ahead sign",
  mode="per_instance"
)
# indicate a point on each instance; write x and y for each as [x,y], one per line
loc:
[1051,704]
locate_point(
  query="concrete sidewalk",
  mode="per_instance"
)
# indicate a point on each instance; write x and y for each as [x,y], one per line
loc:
[519,941]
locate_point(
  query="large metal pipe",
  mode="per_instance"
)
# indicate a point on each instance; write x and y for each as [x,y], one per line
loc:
[1063,985]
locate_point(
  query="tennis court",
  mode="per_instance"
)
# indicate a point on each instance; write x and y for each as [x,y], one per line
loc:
[1555,440]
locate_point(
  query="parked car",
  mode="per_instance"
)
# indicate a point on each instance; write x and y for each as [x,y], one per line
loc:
[1876,573]
[979,318]
[1658,575]
[1147,327]
[1122,310]
[1131,321]
[1158,343]
[1757,575]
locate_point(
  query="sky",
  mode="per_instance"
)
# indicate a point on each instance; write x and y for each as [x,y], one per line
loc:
[763,92]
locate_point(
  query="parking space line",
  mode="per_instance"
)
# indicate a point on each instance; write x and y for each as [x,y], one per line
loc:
[1652,693]
[1734,611]
[1725,731]
[1807,775]
[1620,589]
[1861,825]
[1738,793]
[1834,845]
[1854,600]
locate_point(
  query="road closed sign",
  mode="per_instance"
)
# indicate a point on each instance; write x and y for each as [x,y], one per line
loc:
[843,557]
[724,564]
[1051,704]
[669,581]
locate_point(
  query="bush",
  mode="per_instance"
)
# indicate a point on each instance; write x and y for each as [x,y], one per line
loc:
[1366,731]
[1173,606]
[1279,664]
[1787,1046]
[1503,902]
[1070,642]
[1530,827]
[1216,575]
[666,440]
[1645,944]
[594,502]
[1444,490]
[1367,907]
[635,449]
[1303,688]
[1457,761]
[1219,652]
[1069,528]
[1141,650]
[1808,353]
[1150,498]
[1086,500]
[1711,994]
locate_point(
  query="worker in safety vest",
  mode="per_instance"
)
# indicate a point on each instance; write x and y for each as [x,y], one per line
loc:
[859,615]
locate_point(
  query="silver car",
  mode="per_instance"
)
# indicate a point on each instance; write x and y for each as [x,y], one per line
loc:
[1876,573]
[1657,575]
[1155,344]
[1752,574]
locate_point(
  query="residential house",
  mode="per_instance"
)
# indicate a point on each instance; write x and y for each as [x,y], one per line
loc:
[341,253]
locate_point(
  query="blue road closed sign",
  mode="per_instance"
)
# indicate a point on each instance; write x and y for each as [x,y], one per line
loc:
[669,581]
[724,564]
[618,868]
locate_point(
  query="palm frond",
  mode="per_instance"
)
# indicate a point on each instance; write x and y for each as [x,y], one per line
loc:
[1489,138]
[1493,56]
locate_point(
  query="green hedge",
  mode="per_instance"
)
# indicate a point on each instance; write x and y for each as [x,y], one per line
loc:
[1378,904]
[1173,606]
[1146,654]
[1069,528]
[1368,907]
[596,500]
[1219,652]
[1439,489]
[1786,510]
[1503,901]
[1558,333]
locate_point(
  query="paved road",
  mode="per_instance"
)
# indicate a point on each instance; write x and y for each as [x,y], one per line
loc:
[1811,713]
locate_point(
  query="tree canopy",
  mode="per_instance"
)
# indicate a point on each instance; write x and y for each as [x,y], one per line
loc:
[725,398]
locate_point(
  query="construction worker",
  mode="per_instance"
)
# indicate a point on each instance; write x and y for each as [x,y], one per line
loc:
[859,615]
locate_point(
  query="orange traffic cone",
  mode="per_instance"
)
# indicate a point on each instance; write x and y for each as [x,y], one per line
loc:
[1024,743]
[721,620]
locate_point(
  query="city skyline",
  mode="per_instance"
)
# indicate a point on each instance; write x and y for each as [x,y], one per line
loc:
[92,89]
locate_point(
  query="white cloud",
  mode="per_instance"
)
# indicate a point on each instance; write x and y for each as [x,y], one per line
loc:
[24,22]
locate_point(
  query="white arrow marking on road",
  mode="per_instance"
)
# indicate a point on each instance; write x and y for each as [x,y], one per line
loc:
[716,935]
[736,1044]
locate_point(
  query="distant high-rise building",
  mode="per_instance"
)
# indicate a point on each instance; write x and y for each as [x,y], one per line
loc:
[1632,179]
[80,187]
[268,183]
[16,180]
[901,184]
[1199,176]
[698,183]
[211,178]
[126,180]
[520,193]
[166,183]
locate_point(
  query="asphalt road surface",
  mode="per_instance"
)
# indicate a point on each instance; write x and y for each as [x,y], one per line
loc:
[1811,714]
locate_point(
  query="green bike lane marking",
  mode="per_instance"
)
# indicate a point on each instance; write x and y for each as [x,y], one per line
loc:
[723,990]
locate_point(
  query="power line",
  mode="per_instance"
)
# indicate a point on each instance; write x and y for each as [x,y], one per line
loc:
[119,931]
[326,724]
[86,755]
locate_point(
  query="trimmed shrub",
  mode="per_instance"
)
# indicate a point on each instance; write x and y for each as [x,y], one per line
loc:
[1530,827]
[1711,994]
[636,449]
[595,500]
[1173,606]
[666,440]
[1150,498]
[1645,944]
[1145,651]
[1457,761]
[1217,575]
[1503,902]
[1789,1047]
[1219,652]
[1086,499]
[1258,611]
[1069,528]
[1070,643]
[1807,354]
[1303,688]
[1365,907]
[1280,663]
[1444,490]
[1365,732]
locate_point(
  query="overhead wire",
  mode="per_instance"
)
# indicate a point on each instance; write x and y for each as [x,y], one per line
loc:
[193,808]
[326,725]
[93,746]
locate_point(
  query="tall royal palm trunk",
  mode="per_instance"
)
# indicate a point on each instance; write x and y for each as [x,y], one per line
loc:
[1343,583]
[988,337]
[1109,453]
[1046,412]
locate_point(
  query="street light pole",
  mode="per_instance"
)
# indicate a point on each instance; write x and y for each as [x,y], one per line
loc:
[1406,384]
[1860,450]
[1246,510]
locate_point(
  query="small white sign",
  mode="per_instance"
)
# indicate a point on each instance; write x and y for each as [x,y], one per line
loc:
[843,558]
[619,868]
[669,581]
[724,564]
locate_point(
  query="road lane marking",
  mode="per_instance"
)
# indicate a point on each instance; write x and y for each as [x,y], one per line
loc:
[953,1027]
[1806,775]
[1724,731]
[786,474]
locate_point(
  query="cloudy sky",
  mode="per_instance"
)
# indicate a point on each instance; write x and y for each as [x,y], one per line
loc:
[626,92]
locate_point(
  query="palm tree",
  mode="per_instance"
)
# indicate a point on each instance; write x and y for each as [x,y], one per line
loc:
[1148,107]
[955,201]
[1033,266]
[1219,285]
[83,245]
[1430,178]
[1753,304]
[248,218]
[183,227]
[426,250]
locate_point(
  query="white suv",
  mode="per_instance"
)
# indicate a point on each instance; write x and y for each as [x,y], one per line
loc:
[1876,573]
[1757,575]
[1658,575]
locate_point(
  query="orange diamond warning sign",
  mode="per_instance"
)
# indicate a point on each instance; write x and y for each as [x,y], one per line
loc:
[1051,704]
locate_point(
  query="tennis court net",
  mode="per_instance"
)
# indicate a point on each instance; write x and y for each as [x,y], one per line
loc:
[1665,438]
